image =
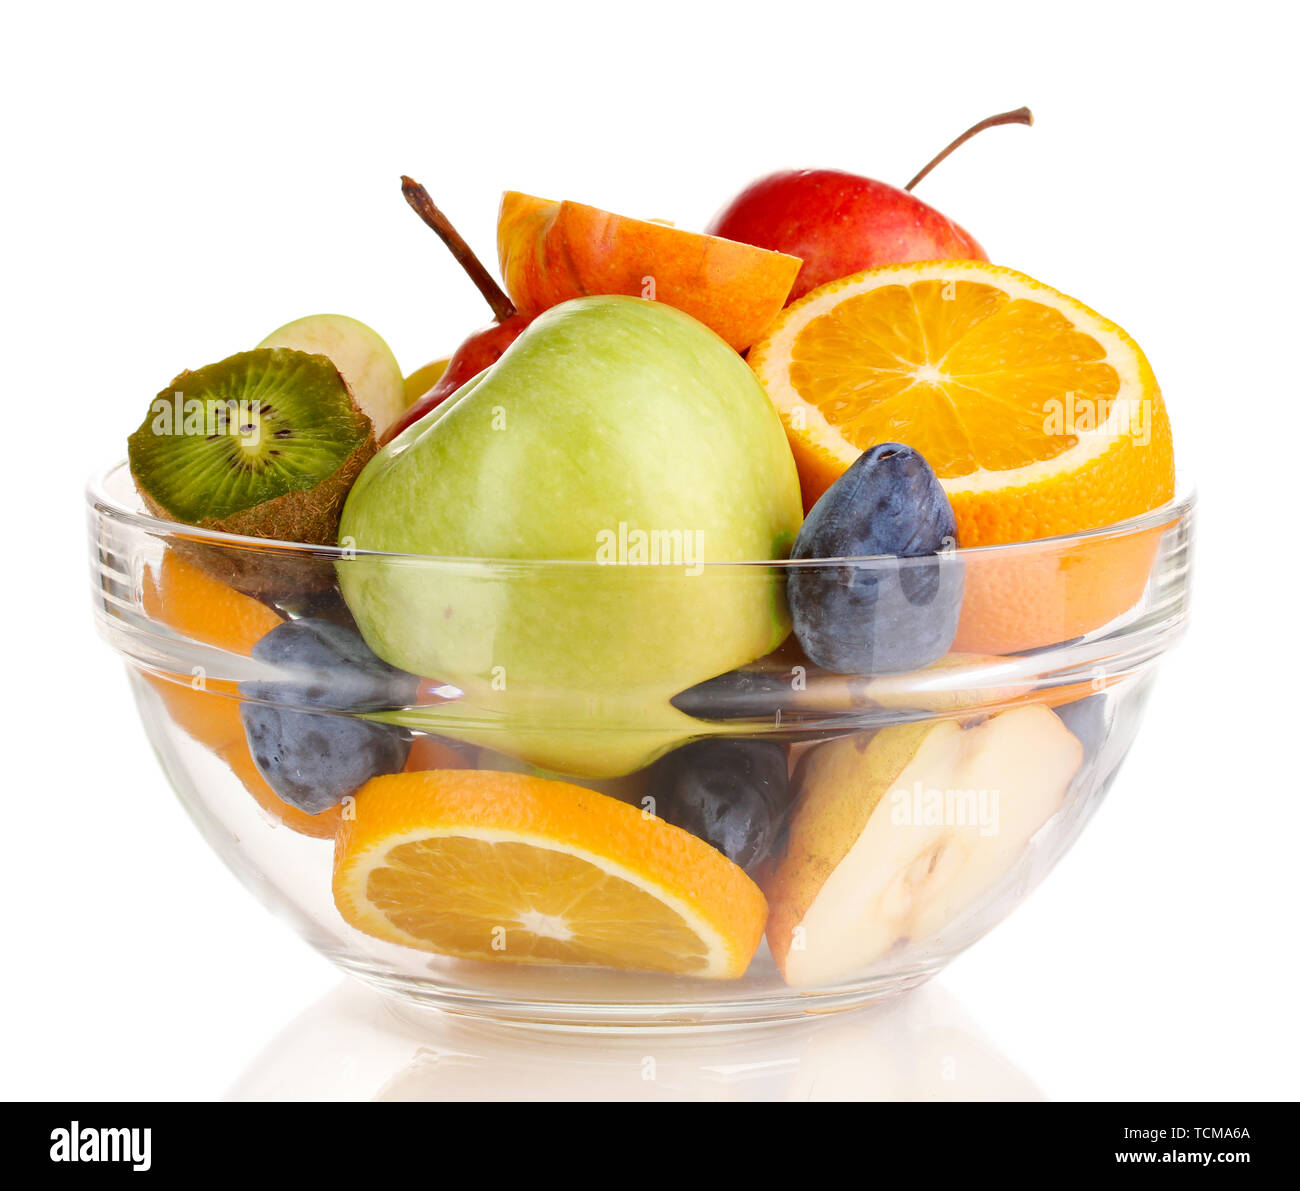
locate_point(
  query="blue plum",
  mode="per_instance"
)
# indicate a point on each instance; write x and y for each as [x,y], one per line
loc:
[313,760]
[332,668]
[881,618]
[1086,718]
[738,694]
[732,794]
[304,728]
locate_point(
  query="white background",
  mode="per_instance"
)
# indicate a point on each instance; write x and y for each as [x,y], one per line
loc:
[180,179]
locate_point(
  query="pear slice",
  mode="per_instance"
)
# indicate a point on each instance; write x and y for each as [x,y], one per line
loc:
[359,353]
[896,834]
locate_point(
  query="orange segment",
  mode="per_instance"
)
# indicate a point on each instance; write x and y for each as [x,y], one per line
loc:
[201,608]
[1040,417]
[322,826]
[503,866]
[189,600]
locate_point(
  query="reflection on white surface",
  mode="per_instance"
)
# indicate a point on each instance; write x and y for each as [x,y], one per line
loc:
[353,1045]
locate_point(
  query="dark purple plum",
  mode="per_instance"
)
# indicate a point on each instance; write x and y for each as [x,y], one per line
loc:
[889,616]
[732,794]
[323,664]
[738,694]
[304,728]
[313,760]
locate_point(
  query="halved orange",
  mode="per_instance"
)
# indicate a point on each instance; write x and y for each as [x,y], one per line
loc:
[503,866]
[1039,416]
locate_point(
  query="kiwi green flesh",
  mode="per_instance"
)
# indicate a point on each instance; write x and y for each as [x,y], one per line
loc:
[269,442]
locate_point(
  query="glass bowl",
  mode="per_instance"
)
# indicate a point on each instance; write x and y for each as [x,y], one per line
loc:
[921,807]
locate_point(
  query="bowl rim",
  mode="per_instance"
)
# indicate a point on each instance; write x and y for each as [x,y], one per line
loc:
[99,499]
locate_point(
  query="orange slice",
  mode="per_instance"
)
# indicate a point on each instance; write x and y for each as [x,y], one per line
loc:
[322,826]
[1039,416]
[189,600]
[201,608]
[503,866]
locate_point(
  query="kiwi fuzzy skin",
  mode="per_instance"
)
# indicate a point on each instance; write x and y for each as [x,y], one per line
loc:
[310,517]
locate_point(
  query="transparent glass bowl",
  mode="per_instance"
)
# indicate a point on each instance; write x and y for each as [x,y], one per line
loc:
[1073,624]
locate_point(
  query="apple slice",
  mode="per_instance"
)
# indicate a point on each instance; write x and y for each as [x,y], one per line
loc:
[551,252]
[359,353]
[896,834]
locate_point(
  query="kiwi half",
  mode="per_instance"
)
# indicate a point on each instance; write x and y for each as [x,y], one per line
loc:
[266,444]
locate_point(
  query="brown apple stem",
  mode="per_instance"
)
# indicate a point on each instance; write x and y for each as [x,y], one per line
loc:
[1019,116]
[415,194]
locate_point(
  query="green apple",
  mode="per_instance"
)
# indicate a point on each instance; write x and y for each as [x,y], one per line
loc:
[620,435]
[359,353]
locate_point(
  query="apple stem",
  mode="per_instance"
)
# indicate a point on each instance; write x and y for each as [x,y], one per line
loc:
[416,195]
[1019,116]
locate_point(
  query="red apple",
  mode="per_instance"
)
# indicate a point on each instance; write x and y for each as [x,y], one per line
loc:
[481,350]
[840,223]
[485,346]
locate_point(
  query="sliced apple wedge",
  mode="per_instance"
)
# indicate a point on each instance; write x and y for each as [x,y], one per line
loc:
[553,251]
[359,353]
[897,833]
